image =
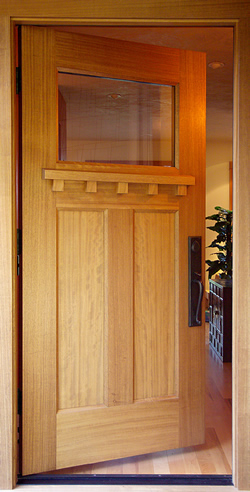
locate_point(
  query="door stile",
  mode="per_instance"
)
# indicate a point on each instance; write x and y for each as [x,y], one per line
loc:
[177,302]
[39,268]
[191,223]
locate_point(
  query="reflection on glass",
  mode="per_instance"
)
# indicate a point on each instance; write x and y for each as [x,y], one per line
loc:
[114,121]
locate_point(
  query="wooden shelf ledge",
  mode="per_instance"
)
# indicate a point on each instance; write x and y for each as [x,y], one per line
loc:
[59,176]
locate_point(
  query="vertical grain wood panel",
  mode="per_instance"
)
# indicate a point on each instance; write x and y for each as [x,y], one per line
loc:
[154,284]
[119,315]
[192,122]
[62,128]
[8,354]
[39,263]
[241,259]
[80,308]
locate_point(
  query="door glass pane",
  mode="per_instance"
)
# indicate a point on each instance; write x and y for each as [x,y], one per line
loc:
[114,121]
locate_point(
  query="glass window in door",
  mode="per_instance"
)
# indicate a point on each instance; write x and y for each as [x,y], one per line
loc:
[112,121]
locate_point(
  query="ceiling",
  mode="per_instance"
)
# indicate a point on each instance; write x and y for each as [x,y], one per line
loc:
[217,42]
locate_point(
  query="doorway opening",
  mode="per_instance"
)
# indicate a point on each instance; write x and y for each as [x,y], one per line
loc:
[215,456]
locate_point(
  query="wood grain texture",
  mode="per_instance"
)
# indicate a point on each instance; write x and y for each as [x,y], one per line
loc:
[91,187]
[122,188]
[181,190]
[62,128]
[74,196]
[143,12]
[192,121]
[162,64]
[8,379]
[127,430]
[80,308]
[58,185]
[141,177]
[116,168]
[156,297]
[215,455]
[153,189]
[39,264]
[119,304]
[241,284]
[154,322]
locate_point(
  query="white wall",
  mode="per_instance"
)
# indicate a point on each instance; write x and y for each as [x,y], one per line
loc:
[219,154]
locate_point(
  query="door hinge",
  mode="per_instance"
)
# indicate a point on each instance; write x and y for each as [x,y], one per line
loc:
[19,401]
[19,248]
[18,80]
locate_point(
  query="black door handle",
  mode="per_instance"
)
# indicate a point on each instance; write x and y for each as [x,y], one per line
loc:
[195,286]
[201,290]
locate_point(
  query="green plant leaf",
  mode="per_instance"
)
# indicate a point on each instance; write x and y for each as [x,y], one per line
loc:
[218,228]
[213,269]
[216,244]
[224,210]
[222,242]
[213,217]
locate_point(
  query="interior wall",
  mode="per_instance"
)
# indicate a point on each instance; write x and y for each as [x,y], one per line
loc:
[218,155]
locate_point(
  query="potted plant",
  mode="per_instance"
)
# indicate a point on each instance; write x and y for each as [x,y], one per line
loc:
[220,289]
[223,243]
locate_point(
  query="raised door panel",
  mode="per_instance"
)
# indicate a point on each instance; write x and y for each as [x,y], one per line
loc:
[119,307]
[154,323]
[81,284]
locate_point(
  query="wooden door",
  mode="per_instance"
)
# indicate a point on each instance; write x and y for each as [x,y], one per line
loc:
[110,366]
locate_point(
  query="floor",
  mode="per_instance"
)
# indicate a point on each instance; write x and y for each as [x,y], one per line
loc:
[213,457]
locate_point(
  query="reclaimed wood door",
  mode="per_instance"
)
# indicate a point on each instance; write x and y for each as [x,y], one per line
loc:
[110,366]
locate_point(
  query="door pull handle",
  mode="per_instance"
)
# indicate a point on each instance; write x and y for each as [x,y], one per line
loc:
[201,290]
[195,286]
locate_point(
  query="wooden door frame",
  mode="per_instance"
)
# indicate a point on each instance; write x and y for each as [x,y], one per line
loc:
[166,13]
